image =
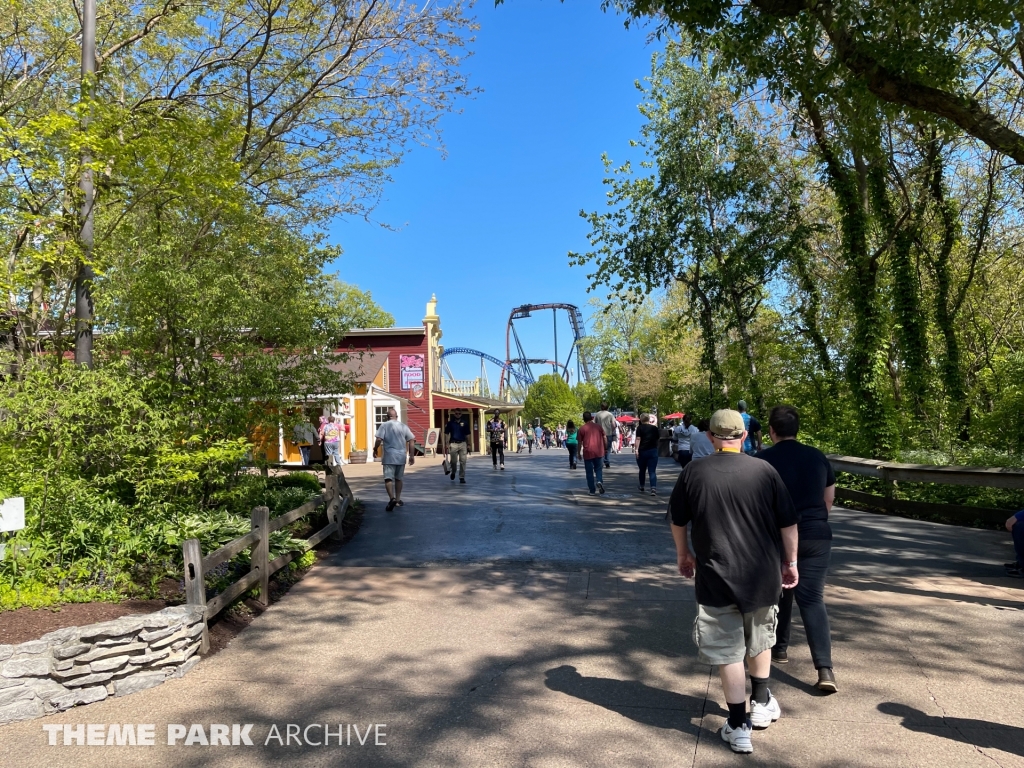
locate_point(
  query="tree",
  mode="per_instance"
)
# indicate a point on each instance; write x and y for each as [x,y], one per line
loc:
[719,215]
[302,107]
[588,395]
[552,401]
[357,309]
[620,344]
[956,61]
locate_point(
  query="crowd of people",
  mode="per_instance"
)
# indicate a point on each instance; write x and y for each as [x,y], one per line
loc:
[750,524]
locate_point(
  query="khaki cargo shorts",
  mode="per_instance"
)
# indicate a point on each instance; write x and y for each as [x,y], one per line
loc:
[726,636]
[394,471]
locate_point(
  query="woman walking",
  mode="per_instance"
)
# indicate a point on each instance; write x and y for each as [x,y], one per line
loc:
[648,436]
[571,443]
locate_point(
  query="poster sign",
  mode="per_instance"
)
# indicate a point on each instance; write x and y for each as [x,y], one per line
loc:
[416,391]
[12,514]
[432,435]
[411,370]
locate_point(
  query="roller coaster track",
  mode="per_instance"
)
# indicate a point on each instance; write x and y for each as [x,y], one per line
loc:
[520,365]
[505,366]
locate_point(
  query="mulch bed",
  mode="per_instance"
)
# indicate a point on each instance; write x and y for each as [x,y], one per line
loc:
[26,624]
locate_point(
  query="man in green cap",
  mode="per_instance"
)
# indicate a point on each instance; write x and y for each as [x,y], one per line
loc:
[744,532]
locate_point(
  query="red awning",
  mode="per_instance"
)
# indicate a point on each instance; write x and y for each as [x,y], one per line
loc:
[674,416]
[627,419]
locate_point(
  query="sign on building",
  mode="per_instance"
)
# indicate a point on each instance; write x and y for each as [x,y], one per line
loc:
[411,370]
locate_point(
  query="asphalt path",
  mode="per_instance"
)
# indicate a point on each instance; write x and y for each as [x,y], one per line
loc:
[517,621]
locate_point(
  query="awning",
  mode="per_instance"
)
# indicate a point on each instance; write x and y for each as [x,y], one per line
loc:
[447,401]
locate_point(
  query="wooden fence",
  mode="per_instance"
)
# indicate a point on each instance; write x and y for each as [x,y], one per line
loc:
[892,473]
[261,566]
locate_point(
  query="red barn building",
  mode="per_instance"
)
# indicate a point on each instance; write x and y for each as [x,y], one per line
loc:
[393,368]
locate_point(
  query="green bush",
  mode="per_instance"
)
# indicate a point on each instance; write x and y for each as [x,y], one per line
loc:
[114,484]
[306,480]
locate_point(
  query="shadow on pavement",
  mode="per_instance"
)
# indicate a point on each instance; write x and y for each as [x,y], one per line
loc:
[977,733]
[629,698]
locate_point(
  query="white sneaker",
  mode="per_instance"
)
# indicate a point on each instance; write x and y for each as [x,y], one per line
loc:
[763,715]
[738,739]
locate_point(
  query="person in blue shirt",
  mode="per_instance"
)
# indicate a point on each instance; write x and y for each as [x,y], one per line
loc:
[456,435]
[753,442]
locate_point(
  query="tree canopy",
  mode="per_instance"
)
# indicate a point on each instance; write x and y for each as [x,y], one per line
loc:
[551,400]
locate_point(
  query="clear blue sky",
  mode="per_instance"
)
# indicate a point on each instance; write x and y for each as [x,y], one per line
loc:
[489,227]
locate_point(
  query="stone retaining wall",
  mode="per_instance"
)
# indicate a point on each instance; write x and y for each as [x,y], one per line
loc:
[80,665]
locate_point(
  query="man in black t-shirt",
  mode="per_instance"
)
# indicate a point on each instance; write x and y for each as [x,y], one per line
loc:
[811,482]
[744,542]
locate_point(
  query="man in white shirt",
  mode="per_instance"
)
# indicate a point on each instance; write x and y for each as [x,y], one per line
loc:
[682,435]
[397,440]
[606,421]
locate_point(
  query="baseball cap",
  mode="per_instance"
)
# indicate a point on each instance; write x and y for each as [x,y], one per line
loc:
[727,424]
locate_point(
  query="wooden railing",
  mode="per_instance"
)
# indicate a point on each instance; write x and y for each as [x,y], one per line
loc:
[891,473]
[261,567]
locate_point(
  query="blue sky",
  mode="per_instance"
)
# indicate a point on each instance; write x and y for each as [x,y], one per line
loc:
[489,227]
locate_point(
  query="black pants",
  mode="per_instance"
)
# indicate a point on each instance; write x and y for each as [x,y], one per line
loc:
[497,449]
[573,448]
[813,558]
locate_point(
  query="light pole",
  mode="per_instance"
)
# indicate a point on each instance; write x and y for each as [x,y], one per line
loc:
[84,277]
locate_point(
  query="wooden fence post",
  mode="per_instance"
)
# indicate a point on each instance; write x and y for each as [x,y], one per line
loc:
[332,495]
[889,486]
[195,585]
[260,558]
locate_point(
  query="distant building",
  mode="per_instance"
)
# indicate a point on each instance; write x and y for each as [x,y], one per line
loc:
[393,368]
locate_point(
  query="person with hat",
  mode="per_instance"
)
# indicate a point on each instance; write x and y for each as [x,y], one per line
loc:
[744,534]
[456,435]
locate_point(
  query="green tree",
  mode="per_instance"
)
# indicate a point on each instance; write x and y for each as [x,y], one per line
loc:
[589,396]
[357,309]
[551,400]
[954,60]
[719,215]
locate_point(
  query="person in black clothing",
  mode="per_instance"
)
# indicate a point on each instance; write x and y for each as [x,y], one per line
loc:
[647,436]
[744,534]
[811,482]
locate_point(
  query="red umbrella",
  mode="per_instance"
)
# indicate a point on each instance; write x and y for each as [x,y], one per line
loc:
[674,416]
[626,419]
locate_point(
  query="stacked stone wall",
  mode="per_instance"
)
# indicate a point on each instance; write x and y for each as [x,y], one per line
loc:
[80,665]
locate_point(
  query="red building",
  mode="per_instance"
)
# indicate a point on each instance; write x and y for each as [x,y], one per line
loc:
[410,381]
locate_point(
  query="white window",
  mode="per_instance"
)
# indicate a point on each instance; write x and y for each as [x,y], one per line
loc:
[380,415]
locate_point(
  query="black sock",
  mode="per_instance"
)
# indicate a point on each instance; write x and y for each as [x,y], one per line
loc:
[737,714]
[759,689]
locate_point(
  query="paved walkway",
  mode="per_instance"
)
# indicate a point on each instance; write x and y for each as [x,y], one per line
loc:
[515,621]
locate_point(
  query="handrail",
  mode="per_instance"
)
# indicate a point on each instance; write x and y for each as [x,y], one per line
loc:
[988,477]
[260,565]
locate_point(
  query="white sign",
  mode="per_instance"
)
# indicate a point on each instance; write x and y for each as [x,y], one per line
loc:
[12,514]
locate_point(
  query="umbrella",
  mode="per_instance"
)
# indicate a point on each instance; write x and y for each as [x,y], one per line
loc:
[674,416]
[626,419]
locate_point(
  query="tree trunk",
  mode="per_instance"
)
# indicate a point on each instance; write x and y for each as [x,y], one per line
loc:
[743,326]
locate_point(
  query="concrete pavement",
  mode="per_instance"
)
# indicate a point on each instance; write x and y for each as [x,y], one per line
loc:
[516,621]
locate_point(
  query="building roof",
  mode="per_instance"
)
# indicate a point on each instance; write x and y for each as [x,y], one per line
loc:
[360,367]
[472,401]
[417,330]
